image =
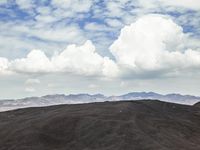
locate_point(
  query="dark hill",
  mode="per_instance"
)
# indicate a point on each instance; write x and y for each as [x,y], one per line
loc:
[126,125]
[197,104]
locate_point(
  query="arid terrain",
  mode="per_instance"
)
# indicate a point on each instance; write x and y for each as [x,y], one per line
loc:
[124,125]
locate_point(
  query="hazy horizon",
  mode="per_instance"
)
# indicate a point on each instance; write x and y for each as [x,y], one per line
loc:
[107,95]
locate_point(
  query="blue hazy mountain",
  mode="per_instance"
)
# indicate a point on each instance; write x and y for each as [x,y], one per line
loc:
[87,98]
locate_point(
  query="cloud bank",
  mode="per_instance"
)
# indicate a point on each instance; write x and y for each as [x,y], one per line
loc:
[153,43]
[80,60]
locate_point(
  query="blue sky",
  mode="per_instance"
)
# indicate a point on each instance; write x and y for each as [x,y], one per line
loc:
[106,56]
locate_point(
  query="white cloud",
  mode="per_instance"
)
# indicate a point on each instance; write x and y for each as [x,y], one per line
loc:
[189,4]
[72,33]
[169,4]
[70,8]
[96,27]
[35,62]
[45,19]
[81,60]
[84,60]
[50,27]
[114,22]
[26,36]
[73,5]
[114,9]
[44,10]
[154,43]
[25,4]
[43,32]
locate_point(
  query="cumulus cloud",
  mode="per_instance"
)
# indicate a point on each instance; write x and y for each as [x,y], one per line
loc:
[154,43]
[81,60]
[84,60]
[35,62]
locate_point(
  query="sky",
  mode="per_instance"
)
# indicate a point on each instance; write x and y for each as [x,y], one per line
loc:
[99,46]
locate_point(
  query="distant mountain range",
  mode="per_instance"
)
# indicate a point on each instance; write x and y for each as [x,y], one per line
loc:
[87,98]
